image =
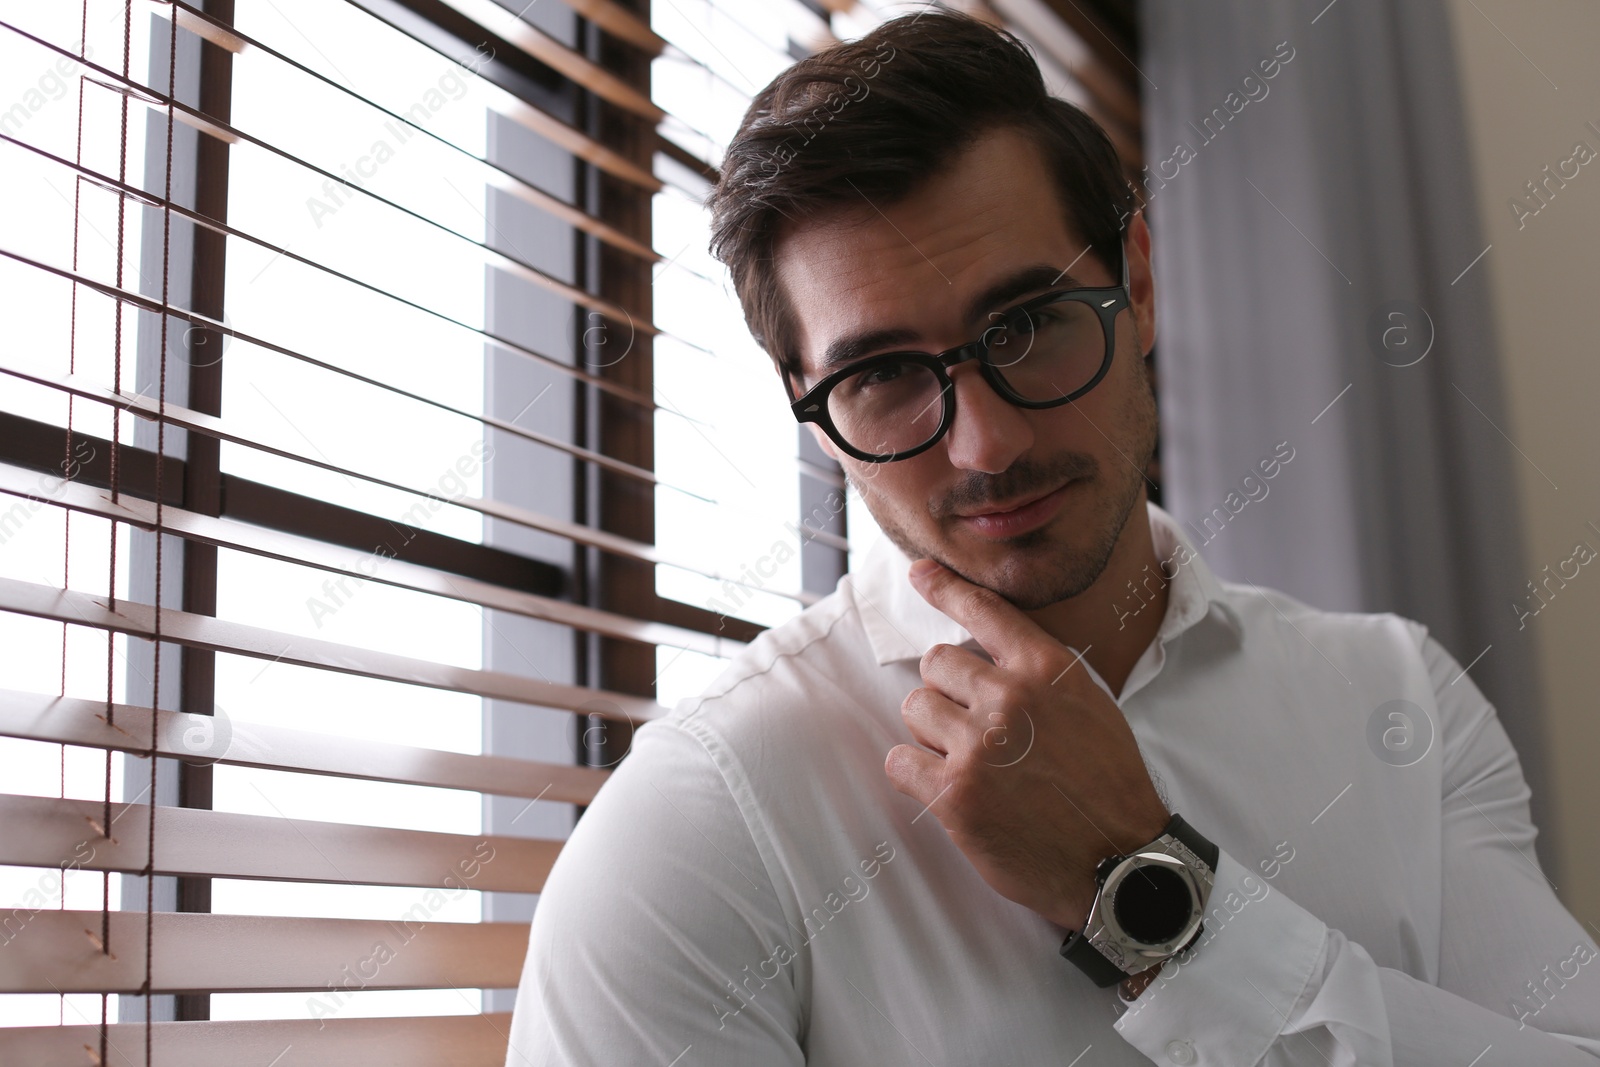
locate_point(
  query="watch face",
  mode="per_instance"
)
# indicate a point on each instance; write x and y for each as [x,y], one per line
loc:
[1152,904]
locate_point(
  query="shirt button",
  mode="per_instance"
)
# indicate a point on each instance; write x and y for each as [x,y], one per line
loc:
[1180,1052]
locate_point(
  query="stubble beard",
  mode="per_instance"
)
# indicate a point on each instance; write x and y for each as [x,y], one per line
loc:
[1039,568]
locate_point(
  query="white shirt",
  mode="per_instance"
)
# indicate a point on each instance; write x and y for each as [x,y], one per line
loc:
[748,889]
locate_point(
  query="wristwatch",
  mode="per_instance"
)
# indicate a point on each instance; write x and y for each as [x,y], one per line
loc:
[1150,906]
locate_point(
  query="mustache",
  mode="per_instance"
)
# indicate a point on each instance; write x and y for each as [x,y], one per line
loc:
[1022,479]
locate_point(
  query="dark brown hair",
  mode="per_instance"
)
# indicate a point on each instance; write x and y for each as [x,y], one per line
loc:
[876,117]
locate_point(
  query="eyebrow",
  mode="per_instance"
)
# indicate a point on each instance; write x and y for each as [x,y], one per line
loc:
[1031,279]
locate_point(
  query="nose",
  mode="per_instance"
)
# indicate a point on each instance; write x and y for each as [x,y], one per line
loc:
[989,432]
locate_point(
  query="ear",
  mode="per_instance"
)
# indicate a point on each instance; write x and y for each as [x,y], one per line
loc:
[823,441]
[1141,280]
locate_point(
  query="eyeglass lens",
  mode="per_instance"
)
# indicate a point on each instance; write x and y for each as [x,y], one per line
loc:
[1042,355]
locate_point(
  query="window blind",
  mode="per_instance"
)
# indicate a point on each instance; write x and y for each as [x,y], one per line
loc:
[258,323]
[360,493]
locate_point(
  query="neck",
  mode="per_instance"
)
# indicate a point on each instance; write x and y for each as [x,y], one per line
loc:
[1118,616]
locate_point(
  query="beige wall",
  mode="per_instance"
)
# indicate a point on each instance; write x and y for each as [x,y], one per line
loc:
[1545,281]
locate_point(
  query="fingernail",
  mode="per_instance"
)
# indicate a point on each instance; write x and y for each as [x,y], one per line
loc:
[923,567]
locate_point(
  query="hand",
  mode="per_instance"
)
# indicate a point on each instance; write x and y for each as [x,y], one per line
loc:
[1027,763]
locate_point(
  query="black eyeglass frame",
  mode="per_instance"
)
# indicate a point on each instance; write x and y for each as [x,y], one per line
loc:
[813,405]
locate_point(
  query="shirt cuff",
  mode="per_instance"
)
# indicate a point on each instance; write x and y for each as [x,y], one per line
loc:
[1226,999]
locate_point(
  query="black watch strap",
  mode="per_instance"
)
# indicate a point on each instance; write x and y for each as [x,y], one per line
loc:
[1206,850]
[1089,959]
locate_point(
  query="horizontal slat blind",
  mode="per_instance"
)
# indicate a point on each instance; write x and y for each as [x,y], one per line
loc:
[743,449]
[56,833]
[196,320]
[219,635]
[442,1041]
[88,723]
[536,119]
[244,953]
[243,536]
[295,254]
[620,22]
[476,252]
[538,44]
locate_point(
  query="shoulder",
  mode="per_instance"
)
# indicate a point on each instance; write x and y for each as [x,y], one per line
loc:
[1273,615]
[792,679]
[795,728]
[1397,670]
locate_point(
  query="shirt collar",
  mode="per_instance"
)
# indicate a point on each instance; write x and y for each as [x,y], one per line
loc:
[900,625]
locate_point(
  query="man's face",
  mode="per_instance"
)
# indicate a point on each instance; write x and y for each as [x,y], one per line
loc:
[915,275]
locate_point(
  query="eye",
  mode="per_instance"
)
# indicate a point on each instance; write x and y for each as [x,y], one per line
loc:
[1018,322]
[882,374]
[1059,316]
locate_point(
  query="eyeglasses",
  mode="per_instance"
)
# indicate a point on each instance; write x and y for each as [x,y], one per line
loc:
[1040,354]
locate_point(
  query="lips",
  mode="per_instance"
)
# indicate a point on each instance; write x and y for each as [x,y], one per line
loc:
[1023,517]
[1008,508]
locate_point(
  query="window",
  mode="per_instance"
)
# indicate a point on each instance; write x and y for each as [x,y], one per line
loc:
[361,488]
[747,496]
[378,241]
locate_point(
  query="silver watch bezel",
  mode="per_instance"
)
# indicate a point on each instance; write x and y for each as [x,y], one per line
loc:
[1107,936]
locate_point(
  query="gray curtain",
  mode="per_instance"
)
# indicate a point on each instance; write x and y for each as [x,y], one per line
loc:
[1315,244]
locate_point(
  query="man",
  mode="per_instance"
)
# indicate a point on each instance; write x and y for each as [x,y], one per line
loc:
[1033,785]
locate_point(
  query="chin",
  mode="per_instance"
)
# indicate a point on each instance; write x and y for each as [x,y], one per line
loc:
[1034,593]
[1057,562]
[1031,572]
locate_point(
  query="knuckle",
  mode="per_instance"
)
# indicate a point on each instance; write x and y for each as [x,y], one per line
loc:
[961,765]
[1063,669]
[962,788]
[1004,731]
[1000,721]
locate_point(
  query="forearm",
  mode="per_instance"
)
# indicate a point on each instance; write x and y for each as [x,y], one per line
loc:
[1275,986]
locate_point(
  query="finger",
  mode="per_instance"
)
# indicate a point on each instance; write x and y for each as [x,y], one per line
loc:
[998,625]
[1075,671]
[917,774]
[958,673]
[936,721]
